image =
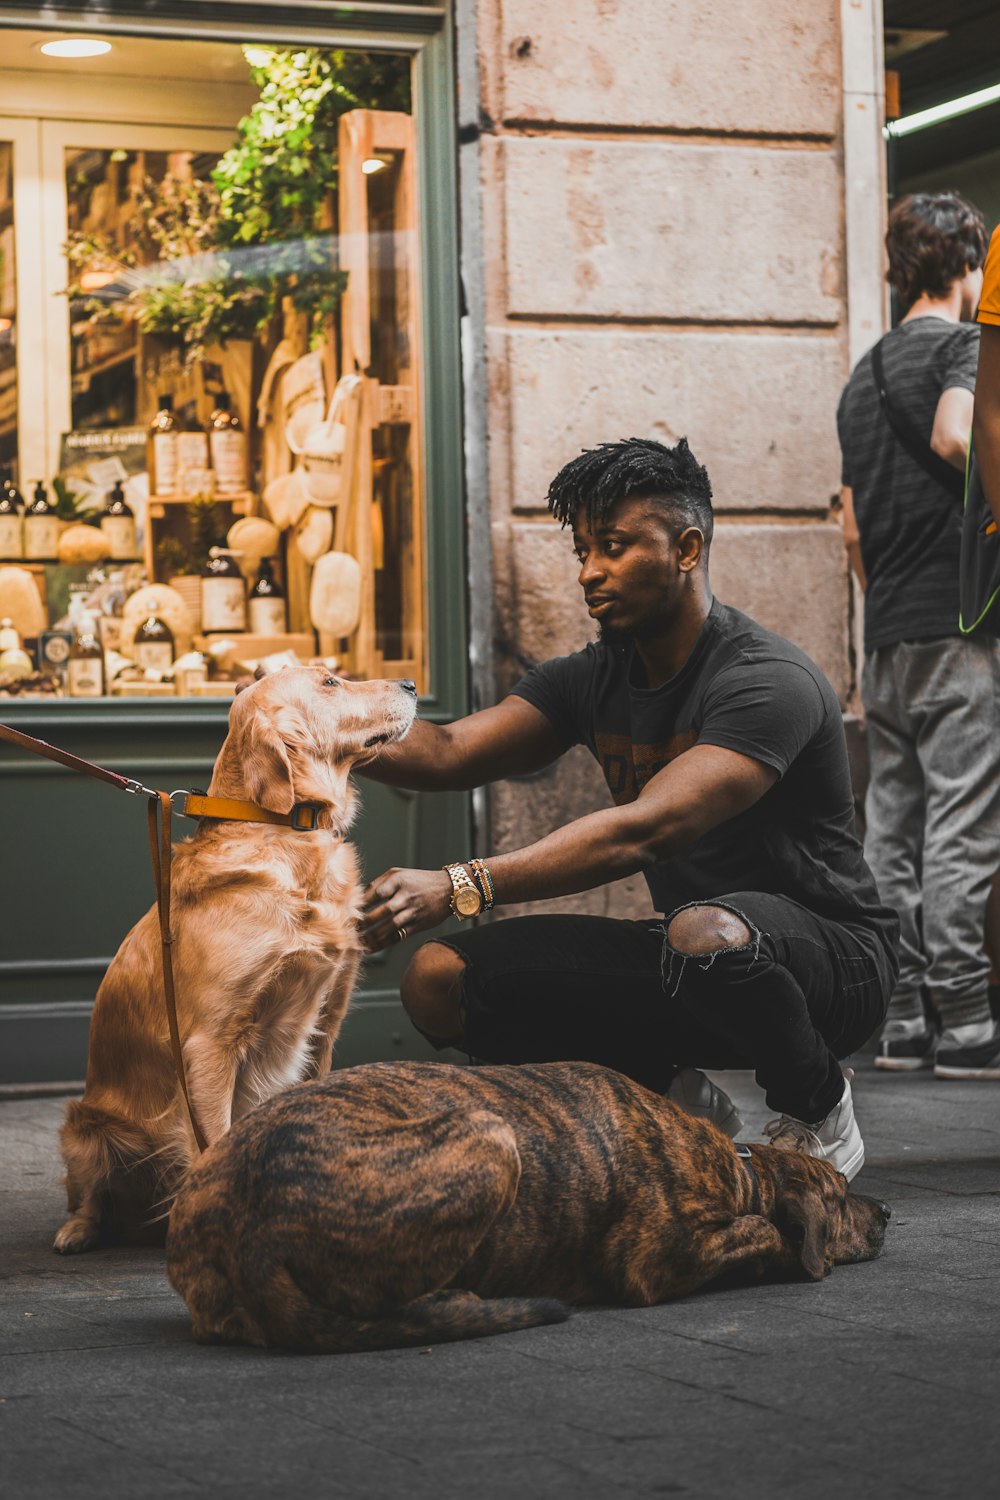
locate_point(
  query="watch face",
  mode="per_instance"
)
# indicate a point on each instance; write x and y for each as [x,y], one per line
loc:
[467,903]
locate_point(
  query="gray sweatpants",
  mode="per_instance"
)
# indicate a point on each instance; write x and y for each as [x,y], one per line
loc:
[933,814]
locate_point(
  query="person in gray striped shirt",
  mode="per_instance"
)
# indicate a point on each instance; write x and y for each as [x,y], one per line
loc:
[931,695]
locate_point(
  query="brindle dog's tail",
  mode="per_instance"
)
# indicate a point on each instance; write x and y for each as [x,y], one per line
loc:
[292,1321]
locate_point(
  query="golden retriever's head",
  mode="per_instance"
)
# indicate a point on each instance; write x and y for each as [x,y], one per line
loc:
[822,1223]
[295,735]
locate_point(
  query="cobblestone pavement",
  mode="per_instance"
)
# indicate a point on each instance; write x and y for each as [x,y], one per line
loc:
[880,1381]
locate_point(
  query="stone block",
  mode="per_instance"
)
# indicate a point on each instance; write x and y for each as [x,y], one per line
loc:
[758,409]
[721,65]
[540,604]
[658,231]
[792,579]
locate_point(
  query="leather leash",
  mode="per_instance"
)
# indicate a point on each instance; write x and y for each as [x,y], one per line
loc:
[160,809]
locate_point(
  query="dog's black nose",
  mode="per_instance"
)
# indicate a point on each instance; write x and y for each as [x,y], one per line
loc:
[409,685]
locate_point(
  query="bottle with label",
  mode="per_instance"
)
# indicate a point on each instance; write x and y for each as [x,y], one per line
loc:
[85,666]
[192,461]
[223,593]
[164,436]
[267,602]
[41,528]
[11,533]
[228,445]
[118,525]
[153,650]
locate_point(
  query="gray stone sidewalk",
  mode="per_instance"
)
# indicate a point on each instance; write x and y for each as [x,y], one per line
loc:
[881,1381]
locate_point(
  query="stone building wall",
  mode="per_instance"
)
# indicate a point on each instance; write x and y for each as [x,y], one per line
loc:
[663,226]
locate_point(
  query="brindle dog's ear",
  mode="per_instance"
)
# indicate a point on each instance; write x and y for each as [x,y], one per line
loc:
[805,1214]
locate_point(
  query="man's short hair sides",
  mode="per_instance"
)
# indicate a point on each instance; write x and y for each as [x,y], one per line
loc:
[637,468]
[933,240]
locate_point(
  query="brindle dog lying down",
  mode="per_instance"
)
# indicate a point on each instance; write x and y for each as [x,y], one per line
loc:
[412,1203]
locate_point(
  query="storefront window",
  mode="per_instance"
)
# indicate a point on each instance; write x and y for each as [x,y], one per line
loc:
[232,468]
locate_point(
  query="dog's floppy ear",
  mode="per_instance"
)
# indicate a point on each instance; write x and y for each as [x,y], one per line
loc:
[806,1214]
[267,768]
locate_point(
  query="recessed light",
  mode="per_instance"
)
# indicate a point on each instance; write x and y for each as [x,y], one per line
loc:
[76,46]
[373,164]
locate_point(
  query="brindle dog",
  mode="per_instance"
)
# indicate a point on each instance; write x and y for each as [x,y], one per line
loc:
[412,1203]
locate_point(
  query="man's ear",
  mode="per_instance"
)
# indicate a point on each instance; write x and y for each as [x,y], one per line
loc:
[690,548]
[267,769]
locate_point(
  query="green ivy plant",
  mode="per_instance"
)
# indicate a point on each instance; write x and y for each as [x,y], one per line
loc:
[258,230]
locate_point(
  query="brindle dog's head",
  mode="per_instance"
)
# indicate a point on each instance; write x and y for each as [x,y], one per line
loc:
[823,1224]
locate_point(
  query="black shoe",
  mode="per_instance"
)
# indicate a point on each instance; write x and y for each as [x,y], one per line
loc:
[905,1054]
[980,1061]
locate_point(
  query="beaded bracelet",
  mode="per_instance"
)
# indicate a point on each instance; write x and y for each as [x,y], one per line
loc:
[484,883]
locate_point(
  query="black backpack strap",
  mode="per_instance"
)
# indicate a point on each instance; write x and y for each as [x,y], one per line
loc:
[920,451]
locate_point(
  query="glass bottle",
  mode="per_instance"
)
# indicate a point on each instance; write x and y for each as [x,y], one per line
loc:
[228,444]
[267,602]
[153,650]
[164,432]
[85,664]
[11,532]
[223,593]
[118,525]
[193,460]
[41,527]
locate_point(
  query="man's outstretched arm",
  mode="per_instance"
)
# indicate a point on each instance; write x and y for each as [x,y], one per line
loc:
[702,788]
[986,415]
[512,739]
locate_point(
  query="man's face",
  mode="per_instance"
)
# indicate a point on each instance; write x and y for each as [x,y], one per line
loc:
[631,571]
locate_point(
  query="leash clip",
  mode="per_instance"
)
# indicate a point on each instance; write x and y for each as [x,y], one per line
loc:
[137,789]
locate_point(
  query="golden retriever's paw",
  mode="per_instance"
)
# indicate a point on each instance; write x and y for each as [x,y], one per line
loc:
[76,1235]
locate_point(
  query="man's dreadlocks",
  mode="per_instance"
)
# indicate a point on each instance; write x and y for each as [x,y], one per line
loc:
[638,467]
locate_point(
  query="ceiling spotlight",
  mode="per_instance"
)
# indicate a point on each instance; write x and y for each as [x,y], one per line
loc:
[373,164]
[76,46]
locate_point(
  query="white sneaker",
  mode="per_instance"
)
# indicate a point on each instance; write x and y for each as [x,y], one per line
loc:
[699,1096]
[836,1139]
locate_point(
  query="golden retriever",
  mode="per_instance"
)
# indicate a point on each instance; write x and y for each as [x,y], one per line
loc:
[265,956]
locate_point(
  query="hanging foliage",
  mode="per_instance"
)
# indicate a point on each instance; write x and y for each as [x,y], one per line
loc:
[214,259]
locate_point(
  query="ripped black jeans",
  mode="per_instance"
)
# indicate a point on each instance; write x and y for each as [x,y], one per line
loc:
[802,994]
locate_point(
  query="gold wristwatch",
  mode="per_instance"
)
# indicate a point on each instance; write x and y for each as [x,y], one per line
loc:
[465,898]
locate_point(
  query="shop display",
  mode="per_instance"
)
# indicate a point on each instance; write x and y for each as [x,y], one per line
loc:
[243,340]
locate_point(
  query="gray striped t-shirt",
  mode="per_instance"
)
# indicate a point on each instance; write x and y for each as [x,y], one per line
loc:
[910,527]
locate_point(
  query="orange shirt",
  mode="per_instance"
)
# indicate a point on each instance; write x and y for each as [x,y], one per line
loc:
[989,301]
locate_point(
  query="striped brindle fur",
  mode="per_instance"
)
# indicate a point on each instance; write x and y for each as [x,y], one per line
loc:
[411,1203]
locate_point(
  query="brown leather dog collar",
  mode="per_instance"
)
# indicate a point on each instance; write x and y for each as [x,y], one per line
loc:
[746,1157]
[304,816]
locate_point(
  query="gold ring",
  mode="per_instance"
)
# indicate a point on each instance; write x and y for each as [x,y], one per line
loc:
[401,931]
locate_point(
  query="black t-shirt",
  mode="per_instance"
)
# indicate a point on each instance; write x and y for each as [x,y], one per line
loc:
[748,690]
[910,527]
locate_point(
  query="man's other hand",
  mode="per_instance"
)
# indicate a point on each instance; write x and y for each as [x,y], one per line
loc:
[403,902]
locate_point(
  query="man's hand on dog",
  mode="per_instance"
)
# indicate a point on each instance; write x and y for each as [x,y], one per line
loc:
[403,902]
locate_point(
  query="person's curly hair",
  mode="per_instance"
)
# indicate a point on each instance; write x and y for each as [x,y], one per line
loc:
[933,240]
